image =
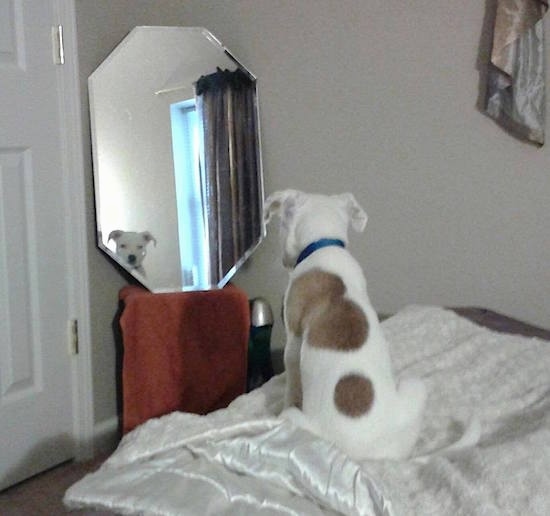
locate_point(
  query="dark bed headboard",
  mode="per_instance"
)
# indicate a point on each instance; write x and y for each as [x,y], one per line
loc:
[502,323]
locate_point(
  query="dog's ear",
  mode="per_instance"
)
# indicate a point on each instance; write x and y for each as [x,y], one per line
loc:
[148,237]
[115,234]
[357,215]
[279,203]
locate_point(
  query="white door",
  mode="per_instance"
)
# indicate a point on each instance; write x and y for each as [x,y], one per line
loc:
[36,388]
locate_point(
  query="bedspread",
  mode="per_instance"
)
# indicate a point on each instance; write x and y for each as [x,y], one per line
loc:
[245,460]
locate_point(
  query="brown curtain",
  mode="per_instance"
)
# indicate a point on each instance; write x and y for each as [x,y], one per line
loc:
[226,103]
[515,87]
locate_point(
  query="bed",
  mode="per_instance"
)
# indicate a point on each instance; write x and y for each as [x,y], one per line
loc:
[244,460]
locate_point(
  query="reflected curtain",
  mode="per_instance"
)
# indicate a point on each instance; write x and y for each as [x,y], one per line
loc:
[515,87]
[226,103]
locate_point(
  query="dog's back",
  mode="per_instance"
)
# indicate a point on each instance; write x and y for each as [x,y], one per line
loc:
[348,392]
[336,358]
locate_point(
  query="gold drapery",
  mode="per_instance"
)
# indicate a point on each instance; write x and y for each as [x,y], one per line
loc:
[515,87]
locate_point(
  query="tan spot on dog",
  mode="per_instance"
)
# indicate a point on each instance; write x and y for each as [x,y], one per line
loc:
[316,301]
[341,326]
[307,292]
[353,395]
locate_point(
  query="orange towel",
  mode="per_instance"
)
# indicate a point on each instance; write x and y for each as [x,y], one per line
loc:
[182,351]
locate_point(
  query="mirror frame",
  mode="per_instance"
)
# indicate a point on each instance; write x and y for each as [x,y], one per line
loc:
[104,243]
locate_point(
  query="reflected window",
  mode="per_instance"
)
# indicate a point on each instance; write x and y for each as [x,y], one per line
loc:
[192,230]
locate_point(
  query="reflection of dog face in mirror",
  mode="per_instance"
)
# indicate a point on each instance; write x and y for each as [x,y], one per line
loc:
[131,247]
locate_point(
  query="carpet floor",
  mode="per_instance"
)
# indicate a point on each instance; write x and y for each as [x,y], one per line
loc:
[42,495]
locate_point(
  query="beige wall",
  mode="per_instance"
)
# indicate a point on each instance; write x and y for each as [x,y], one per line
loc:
[379,99]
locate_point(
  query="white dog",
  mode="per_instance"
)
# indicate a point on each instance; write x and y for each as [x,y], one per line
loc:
[337,360]
[131,247]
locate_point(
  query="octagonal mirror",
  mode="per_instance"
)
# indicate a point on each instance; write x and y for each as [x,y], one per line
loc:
[176,152]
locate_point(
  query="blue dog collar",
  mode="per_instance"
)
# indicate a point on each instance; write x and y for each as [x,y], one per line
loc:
[319,244]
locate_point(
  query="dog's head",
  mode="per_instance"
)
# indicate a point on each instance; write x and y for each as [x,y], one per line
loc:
[131,245]
[306,218]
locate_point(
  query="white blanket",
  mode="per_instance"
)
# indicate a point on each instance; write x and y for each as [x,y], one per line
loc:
[243,460]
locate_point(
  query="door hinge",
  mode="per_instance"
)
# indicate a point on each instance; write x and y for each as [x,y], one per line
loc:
[72,336]
[58,45]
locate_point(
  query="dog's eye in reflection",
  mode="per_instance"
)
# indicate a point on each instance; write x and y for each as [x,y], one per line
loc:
[131,247]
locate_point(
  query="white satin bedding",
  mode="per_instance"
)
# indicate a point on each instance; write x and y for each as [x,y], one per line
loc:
[243,460]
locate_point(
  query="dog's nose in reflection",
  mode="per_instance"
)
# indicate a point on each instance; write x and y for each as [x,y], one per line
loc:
[131,247]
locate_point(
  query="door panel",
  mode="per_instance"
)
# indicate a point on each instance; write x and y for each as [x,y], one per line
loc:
[20,377]
[36,419]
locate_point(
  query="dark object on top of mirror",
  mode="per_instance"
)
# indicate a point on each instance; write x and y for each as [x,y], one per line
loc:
[235,79]
[176,148]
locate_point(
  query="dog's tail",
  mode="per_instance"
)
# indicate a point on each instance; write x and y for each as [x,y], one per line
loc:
[470,437]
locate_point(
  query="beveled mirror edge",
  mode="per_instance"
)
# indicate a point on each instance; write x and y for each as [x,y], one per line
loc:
[113,256]
[99,234]
[227,278]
